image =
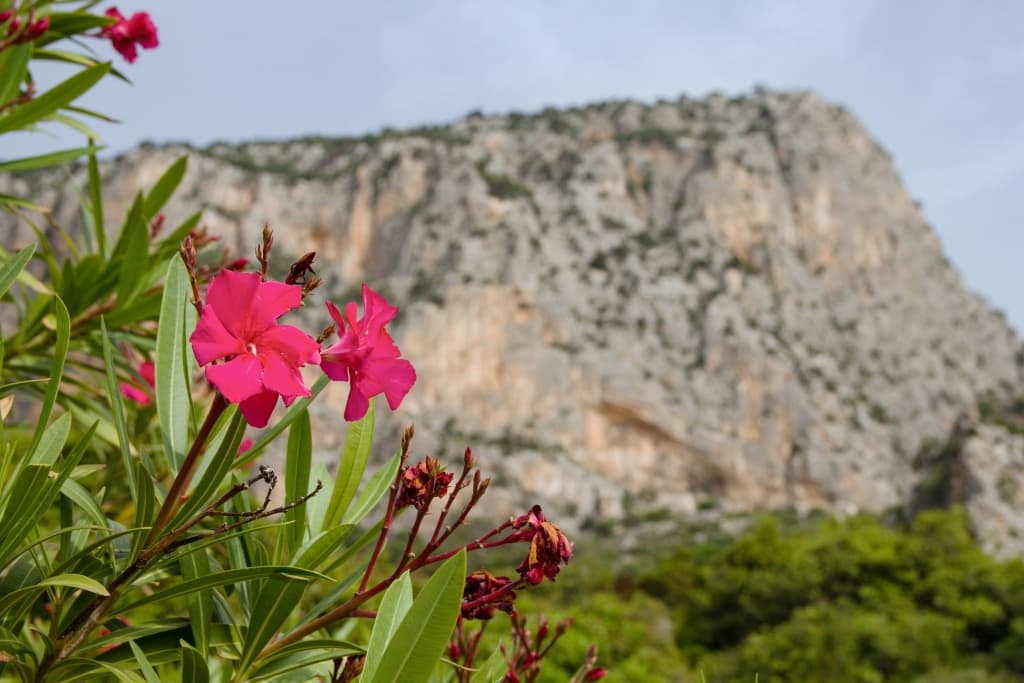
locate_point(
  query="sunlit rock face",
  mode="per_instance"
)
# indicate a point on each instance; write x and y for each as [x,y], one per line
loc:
[631,311]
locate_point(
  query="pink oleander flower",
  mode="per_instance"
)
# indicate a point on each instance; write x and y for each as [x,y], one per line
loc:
[246,444]
[135,391]
[239,326]
[126,33]
[366,357]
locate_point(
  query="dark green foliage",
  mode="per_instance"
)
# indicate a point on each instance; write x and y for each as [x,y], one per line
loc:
[845,601]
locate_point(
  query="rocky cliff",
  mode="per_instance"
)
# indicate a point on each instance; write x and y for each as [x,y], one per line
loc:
[629,311]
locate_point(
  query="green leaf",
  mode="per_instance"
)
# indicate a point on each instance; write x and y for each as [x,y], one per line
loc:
[51,443]
[43,160]
[148,672]
[117,409]
[420,639]
[219,579]
[354,457]
[132,633]
[193,665]
[173,397]
[298,462]
[96,206]
[76,581]
[374,490]
[60,352]
[36,487]
[393,607]
[13,69]
[165,187]
[275,668]
[13,267]
[130,252]
[90,674]
[322,548]
[83,499]
[200,608]
[493,670]
[277,599]
[61,95]
[145,507]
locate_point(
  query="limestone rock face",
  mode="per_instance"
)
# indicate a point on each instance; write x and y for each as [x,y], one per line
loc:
[629,310]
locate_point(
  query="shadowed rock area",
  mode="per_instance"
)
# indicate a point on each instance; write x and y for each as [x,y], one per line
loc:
[630,311]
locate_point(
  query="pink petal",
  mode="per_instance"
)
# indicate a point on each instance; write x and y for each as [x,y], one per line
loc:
[281,376]
[125,47]
[336,316]
[143,30]
[238,379]
[395,376]
[274,299]
[291,343]
[335,369]
[134,393]
[357,404]
[211,340]
[377,312]
[148,372]
[231,295]
[258,408]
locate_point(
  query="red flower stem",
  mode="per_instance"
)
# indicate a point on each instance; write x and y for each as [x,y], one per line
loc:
[179,486]
[408,554]
[389,516]
[459,485]
[478,544]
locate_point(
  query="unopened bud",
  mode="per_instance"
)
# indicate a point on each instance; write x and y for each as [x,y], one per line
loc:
[35,29]
[326,334]
[407,437]
[468,458]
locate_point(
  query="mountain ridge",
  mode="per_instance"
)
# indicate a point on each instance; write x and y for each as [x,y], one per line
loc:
[690,307]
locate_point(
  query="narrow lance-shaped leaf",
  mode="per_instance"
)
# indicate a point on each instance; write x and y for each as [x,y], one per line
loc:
[60,351]
[61,95]
[355,454]
[148,672]
[165,187]
[117,408]
[193,665]
[44,160]
[393,607]
[173,398]
[200,609]
[418,642]
[13,267]
[298,462]
[96,206]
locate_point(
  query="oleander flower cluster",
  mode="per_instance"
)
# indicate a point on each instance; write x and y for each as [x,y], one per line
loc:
[253,360]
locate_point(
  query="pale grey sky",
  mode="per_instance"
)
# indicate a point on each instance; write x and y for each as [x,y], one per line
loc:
[939,83]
